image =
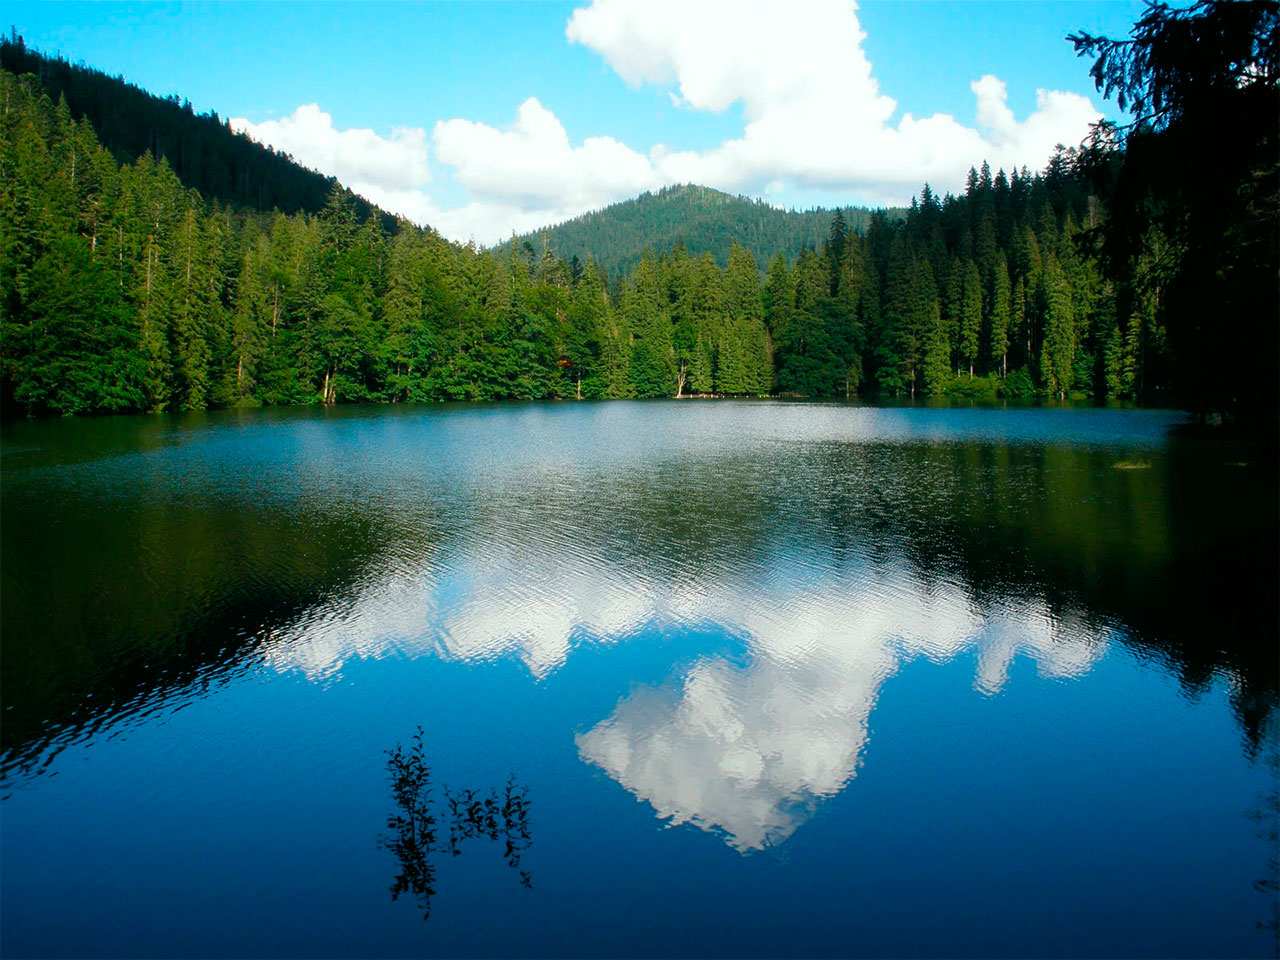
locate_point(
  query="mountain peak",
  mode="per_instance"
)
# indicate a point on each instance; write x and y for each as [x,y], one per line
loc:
[705,219]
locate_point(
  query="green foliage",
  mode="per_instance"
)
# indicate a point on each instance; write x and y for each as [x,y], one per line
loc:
[1018,386]
[970,315]
[80,355]
[121,289]
[653,366]
[937,358]
[1193,192]
[1000,317]
[200,148]
[1057,360]
[699,217]
[982,389]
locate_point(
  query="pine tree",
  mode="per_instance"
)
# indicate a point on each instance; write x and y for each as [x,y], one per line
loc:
[937,356]
[615,357]
[970,315]
[709,316]
[80,355]
[808,367]
[836,239]
[998,343]
[779,299]
[1199,163]
[700,368]
[584,344]
[746,367]
[402,310]
[892,359]
[953,303]
[194,308]
[648,322]
[1057,359]
[251,318]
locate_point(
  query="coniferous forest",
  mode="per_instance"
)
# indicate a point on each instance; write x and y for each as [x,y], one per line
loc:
[705,220]
[935,550]
[1140,266]
[200,148]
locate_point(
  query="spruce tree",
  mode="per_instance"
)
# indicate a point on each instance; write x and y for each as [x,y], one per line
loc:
[1057,359]
[970,316]
[1001,296]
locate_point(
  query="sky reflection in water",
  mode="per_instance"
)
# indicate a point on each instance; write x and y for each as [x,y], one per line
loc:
[706,602]
[744,746]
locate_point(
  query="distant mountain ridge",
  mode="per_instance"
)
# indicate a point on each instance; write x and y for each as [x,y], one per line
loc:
[706,220]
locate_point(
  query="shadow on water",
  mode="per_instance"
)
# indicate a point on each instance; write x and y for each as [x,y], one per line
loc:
[170,601]
[470,814]
[1267,817]
[1181,553]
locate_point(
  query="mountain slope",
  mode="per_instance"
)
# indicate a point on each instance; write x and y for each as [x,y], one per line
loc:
[705,219]
[200,148]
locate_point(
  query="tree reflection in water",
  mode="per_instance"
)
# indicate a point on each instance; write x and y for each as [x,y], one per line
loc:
[472,814]
[1267,816]
[414,826]
[490,814]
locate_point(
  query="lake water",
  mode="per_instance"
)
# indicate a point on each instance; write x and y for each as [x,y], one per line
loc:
[699,678]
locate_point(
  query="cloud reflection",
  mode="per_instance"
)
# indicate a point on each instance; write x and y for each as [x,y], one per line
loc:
[748,751]
[745,749]
[480,609]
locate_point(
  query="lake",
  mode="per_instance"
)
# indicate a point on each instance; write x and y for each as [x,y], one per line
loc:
[650,678]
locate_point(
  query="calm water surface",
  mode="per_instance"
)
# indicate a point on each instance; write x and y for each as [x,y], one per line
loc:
[691,678]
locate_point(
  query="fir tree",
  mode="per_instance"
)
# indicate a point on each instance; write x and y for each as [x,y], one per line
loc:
[1001,314]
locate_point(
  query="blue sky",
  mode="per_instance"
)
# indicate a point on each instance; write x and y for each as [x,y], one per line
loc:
[482,118]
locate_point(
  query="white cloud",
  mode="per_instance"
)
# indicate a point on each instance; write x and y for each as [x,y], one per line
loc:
[526,177]
[529,175]
[390,171]
[762,54]
[814,118]
[484,223]
[533,164]
[815,115]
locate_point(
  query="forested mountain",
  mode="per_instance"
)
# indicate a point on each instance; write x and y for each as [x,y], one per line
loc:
[121,289]
[705,220]
[200,148]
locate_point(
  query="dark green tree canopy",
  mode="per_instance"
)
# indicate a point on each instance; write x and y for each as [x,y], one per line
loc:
[1193,190]
[1143,267]
[1178,62]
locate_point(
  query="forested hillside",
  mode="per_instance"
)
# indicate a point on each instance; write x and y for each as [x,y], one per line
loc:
[704,220]
[200,148]
[121,289]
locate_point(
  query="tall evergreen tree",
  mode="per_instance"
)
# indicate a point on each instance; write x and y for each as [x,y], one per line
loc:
[1001,316]
[1057,361]
[970,316]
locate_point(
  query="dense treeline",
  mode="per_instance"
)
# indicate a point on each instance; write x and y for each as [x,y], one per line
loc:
[1114,273]
[123,290]
[200,148]
[1193,187]
[701,218]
